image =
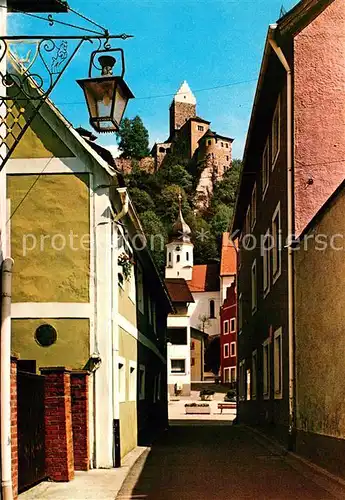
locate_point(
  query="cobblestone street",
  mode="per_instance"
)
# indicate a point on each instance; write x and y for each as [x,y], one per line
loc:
[216,462]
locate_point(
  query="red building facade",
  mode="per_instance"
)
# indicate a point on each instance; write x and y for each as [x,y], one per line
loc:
[228,337]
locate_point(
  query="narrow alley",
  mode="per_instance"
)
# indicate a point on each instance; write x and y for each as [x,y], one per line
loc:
[216,462]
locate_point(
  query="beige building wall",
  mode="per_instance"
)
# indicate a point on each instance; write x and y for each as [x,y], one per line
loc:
[320,320]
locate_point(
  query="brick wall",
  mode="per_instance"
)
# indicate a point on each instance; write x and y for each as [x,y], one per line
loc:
[80,419]
[14,428]
[58,424]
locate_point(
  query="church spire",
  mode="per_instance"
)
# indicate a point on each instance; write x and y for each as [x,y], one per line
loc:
[181,232]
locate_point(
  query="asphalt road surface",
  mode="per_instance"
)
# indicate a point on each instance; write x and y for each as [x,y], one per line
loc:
[215,462]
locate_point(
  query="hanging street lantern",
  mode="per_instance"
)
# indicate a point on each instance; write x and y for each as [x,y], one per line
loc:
[107,95]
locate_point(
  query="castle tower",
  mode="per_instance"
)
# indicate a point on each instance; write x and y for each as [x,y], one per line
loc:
[179,256]
[182,108]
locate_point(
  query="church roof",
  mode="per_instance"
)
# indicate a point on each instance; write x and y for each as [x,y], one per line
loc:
[228,262]
[178,290]
[184,94]
[181,232]
[205,278]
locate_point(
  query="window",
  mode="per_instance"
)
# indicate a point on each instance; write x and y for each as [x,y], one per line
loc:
[276,134]
[233,325]
[226,145]
[227,158]
[209,142]
[232,374]
[278,364]
[266,263]
[248,379]
[212,309]
[240,313]
[132,395]
[254,373]
[141,382]
[162,150]
[140,279]
[200,128]
[254,288]
[169,257]
[276,250]
[178,258]
[265,169]
[226,327]
[253,207]
[226,377]
[122,379]
[187,256]
[222,144]
[226,350]
[177,336]
[233,349]
[178,366]
[266,368]
[45,335]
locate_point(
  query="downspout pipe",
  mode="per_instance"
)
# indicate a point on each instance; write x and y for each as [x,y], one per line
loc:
[291,331]
[5,384]
[125,204]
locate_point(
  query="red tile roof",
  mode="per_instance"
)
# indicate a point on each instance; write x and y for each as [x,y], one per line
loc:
[228,263]
[178,290]
[205,278]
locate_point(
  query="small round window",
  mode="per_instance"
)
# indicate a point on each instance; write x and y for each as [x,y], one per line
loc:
[45,335]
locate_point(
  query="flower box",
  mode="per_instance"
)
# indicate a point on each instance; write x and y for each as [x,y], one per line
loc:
[198,409]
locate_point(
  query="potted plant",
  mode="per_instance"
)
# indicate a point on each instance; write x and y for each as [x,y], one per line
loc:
[206,395]
[126,263]
[197,408]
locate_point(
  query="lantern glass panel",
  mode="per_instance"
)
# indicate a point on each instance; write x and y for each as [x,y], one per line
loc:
[121,100]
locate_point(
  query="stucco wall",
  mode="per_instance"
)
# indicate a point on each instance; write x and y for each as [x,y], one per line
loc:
[45,210]
[71,348]
[201,307]
[128,409]
[319,112]
[127,307]
[320,340]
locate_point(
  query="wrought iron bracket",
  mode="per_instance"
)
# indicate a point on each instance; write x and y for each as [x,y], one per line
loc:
[30,68]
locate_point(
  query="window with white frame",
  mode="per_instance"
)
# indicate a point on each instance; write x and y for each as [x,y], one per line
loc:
[178,366]
[278,364]
[142,382]
[233,349]
[266,368]
[140,291]
[232,374]
[265,169]
[248,385]
[132,393]
[266,263]
[254,373]
[253,207]
[122,379]
[254,288]
[232,325]
[226,327]
[226,377]
[226,350]
[242,384]
[277,244]
[276,134]
[240,312]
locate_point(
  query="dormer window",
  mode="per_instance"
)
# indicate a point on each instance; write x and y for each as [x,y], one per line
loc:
[200,128]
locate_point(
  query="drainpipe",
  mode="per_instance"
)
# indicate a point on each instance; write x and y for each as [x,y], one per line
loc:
[125,204]
[5,361]
[292,388]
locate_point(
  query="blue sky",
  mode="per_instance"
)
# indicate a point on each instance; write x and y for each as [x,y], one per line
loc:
[209,43]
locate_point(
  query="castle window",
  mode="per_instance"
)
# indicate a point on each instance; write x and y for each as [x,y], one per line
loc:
[212,309]
[161,150]
[222,144]
[227,158]
[200,128]
[226,145]
[209,142]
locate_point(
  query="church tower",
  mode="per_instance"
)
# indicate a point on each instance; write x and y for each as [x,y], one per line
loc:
[179,256]
[182,108]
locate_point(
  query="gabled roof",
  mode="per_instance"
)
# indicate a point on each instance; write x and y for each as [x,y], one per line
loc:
[211,133]
[228,262]
[178,290]
[198,119]
[205,278]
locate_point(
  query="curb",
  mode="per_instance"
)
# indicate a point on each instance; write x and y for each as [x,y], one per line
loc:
[322,477]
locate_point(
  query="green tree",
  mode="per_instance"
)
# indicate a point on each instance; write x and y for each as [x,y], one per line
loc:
[156,236]
[221,219]
[205,243]
[133,138]
[175,174]
[168,204]
[141,200]
[225,191]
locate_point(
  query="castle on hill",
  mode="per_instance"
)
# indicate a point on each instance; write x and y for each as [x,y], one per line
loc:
[191,138]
